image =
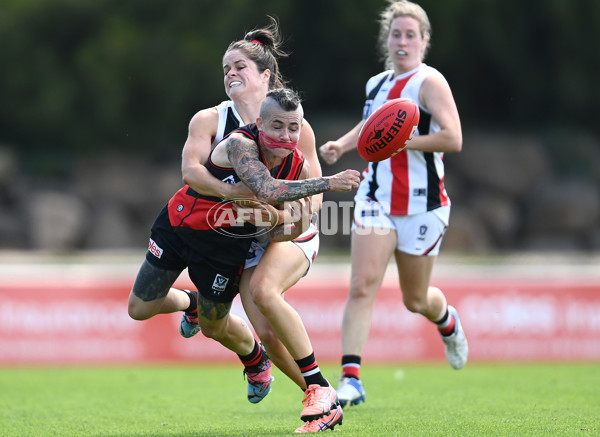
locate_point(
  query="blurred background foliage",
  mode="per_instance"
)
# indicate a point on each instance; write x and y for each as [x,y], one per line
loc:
[82,76]
[85,79]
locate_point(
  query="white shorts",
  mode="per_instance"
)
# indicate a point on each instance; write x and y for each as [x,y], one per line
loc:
[308,242]
[418,234]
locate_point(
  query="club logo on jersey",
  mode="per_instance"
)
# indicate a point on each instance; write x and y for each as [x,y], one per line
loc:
[230,220]
[154,249]
[219,284]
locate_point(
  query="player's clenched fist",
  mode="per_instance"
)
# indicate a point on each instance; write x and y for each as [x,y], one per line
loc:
[344,181]
[331,151]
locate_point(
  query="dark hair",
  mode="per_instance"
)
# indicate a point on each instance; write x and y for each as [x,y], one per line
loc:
[263,47]
[287,98]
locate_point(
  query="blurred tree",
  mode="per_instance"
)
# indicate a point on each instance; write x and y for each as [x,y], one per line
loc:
[79,77]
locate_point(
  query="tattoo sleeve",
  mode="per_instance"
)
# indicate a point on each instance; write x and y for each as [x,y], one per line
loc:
[212,310]
[244,158]
[153,283]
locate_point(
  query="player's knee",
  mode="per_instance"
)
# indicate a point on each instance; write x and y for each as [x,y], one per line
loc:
[137,311]
[264,297]
[415,304]
[362,288]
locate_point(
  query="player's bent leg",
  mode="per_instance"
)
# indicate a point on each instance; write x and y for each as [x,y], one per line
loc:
[276,350]
[152,294]
[217,323]
[415,274]
[276,322]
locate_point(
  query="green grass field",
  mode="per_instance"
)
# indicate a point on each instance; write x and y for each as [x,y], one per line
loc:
[402,400]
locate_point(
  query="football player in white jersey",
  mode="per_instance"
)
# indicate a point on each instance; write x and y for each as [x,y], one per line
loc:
[403,196]
[250,70]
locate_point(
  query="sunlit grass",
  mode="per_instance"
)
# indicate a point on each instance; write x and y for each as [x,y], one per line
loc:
[203,400]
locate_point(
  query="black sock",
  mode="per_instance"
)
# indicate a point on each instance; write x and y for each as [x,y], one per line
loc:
[351,366]
[193,301]
[446,324]
[311,372]
[253,359]
[444,318]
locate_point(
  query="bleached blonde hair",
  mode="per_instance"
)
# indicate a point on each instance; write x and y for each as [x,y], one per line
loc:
[402,8]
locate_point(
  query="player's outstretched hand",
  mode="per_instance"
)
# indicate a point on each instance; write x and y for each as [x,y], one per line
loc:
[344,181]
[331,151]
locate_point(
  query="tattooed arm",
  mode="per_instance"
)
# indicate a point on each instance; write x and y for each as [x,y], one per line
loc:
[243,155]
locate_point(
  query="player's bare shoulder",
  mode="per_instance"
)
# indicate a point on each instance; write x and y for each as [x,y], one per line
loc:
[205,122]
[307,141]
[235,151]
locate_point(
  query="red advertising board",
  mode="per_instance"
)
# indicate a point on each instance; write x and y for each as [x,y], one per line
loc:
[84,320]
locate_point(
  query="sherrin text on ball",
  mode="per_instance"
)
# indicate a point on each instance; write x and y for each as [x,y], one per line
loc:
[388,130]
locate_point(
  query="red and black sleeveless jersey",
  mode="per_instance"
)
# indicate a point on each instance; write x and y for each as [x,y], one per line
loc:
[189,209]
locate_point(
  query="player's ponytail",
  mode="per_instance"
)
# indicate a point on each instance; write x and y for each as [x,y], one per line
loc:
[264,46]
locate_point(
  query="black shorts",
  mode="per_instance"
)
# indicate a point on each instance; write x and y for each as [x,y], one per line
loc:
[214,261]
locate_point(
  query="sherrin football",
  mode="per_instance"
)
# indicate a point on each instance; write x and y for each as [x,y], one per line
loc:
[388,130]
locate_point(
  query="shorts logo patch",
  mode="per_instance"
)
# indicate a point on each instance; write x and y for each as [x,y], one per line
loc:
[179,207]
[220,283]
[422,232]
[229,180]
[154,249]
